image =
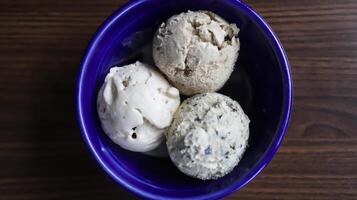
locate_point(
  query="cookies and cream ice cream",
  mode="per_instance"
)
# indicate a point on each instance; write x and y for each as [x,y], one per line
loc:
[208,136]
[136,105]
[197,51]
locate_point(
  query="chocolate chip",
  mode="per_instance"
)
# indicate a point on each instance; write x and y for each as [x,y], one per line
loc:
[125,83]
[133,135]
[187,72]
[208,150]
[197,119]
[219,116]
[188,156]
[231,106]
[233,147]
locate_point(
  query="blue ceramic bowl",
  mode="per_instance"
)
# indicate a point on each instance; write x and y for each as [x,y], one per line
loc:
[261,83]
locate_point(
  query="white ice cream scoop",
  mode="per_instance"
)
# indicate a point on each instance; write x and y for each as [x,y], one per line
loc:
[136,106]
[197,51]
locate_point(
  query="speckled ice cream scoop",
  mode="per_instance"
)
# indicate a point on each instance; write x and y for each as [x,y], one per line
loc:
[136,105]
[197,51]
[208,136]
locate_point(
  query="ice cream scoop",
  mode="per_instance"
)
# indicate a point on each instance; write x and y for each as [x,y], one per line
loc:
[197,51]
[208,136]
[136,105]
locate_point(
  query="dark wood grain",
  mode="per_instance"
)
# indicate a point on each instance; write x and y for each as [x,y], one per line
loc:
[42,42]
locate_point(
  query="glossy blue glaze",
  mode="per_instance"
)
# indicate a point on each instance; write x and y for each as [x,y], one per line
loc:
[261,83]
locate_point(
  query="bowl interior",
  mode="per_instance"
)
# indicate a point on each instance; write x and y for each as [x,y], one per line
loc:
[257,84]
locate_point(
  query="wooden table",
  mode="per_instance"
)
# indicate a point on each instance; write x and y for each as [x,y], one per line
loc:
[42,155]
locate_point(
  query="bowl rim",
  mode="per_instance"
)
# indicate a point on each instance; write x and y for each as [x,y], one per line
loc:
[282,127]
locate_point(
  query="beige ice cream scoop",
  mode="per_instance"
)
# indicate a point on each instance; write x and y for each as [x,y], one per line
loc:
[136,106]
[197,51]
